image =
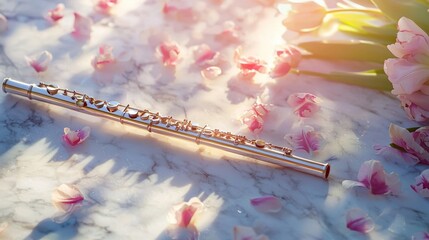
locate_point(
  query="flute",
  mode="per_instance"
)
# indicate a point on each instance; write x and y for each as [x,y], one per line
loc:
[167,125]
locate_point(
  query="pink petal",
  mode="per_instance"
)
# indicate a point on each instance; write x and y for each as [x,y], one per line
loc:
[228,34]
[373,176]
[304,104]
[66,196]
[211,73]
[183,214]
[393,153]
[420,236]
[307,139]
[57,13]
[169,53]
[179,13]
[289,54]
[3,23]
[249,63]
[267,204]
[404,139]
[281,68]
[422,184]
[254,117]
[247,233]
[203,55]
[421,136]
[105,6]
[406,76]
[358,220]
[82,26]
[74,138]
[40,62]
[416,105]
[104,57]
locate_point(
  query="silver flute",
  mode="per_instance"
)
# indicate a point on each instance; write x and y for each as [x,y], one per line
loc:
[167,125]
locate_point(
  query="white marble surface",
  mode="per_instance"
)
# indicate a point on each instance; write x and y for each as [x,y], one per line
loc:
[131,180]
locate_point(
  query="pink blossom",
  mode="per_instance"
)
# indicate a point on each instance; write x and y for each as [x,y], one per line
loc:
[40,61]
[411,42]
[211,73]
[104,57]
[416,105]
[105,6]
[74,138]
[406,76]
[289,53]
[372,176]
[267,204]
[254,118]
[358,220]
[247,233]
[82,26]
[3,23]
[420,236]
[169,53]
[307,139]
[413,143]
[182,219]
[67,198]
[422,184]
[249,65]
[304,104]
[204,55]
[179,13]
[56,14]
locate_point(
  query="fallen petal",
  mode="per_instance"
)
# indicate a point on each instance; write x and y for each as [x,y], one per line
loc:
[82,26]
[308,139]
[358,220]
[211,73]
[422,184]
[105,6]
[304,104]
[66,196]
[104,58]
[40,62]
[183,214]
[169,53]
[267,204]
[204,55]
[74,138]
[57,13]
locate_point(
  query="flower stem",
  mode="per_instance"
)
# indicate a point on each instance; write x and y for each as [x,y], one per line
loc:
[366,10]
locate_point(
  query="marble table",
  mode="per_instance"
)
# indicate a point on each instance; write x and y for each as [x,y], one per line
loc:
[131,179]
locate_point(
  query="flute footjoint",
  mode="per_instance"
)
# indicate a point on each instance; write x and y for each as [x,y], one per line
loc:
[166,125]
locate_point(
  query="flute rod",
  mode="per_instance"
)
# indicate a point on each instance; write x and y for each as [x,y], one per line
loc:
[167,125]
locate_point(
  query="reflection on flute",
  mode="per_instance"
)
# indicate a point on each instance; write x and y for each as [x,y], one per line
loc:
[154,122]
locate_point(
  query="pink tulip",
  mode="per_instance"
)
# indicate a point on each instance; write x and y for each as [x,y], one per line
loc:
[422,184]
[373,177]
[359,221]
[304,16]
[40,62]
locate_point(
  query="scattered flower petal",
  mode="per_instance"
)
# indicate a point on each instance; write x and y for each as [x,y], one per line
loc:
[74,138]
[422,184]
[420,236]
[40,62]
[254,117]
[359,221]
[247,233]
[289,53]
[304,16]
[249,63]
[82,26]
[304,104]
[105,6]
[56,14]
[307,139]
[169,53]
[104,57]
[267,204]
[372,176]
[179,13]
[204,55]
[67,198]
[182,219]
[393,153]
[413,143]
[211,73]
[228,34]
[3,23]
